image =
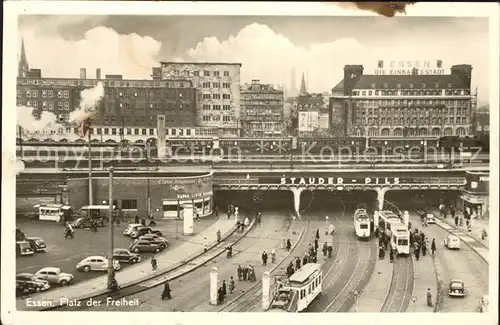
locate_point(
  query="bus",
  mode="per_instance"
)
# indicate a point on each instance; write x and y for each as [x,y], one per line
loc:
[299,291]
[53,212]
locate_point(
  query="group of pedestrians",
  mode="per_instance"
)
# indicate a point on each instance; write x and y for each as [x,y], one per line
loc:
[150,222]
[420,244]
[383,244]
[224,289]
[246,273]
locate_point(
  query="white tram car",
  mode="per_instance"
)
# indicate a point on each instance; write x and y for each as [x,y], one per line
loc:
[397,231]
[299,291]
[362,223]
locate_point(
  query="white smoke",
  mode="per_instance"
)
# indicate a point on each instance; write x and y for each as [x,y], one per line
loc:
[90,98]
[28,122]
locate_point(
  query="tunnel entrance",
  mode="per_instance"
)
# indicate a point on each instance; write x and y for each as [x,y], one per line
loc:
[253,201]
[423,199]
[337,201]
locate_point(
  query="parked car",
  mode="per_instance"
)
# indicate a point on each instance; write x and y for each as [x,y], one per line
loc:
[456,288]
[452,242]
[54,275]
[123,255]
[28,283]
[37,244]
[140,231]
[154,240]
[131,228]
[158,238]
[23,248]
[84,222]
[144,246]
[484,304]
[431,218]
[96,263]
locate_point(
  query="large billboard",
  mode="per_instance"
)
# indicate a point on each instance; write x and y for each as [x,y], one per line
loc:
[308,121]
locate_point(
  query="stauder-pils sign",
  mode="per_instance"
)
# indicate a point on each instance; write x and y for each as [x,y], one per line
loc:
[394,67]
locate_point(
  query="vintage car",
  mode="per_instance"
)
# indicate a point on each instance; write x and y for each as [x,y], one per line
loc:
[144,246]
[430,218]
[123,255]
[37,244]
[28,283]
[144,230]
[131,228]
[456,288]
[24,248]
[452,242]
[96,263]
[54,275]
[161,240]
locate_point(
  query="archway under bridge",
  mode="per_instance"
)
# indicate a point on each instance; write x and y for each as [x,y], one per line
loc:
[255,200]
[427,200]
[338,202]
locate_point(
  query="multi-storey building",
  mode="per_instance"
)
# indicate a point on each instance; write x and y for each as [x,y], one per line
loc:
[128,108]
[261,110]
[405,105]
[218,93]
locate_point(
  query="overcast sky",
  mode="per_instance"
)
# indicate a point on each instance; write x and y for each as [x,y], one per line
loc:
[268,47]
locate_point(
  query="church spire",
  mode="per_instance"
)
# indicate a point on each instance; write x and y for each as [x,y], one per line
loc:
[23,66]
[303,89]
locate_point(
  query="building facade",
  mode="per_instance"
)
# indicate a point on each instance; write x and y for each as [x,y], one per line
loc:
[128,108]
[217,93]
[157,196]
[261,110]
[405,104]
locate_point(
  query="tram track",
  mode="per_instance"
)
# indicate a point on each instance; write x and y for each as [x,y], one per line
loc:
[250,300]
[178,271]
[401,288]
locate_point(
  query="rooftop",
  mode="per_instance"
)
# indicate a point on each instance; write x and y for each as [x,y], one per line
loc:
[305,272]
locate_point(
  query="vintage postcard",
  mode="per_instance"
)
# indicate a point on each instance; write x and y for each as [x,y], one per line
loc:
[337,160]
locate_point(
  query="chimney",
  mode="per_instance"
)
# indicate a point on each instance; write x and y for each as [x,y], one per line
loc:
[83,73]
[98,73]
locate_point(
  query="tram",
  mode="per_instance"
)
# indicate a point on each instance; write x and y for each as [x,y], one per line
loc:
[362,223]
[299,291]
[397,231]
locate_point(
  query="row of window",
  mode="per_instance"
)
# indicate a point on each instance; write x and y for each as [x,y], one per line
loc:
[156,94]
[262,102]
[198,73]
[136,131]
[157,107]
[440,92]
[216,96]
[107,83]
[411,102]
[414,111]
[216,107]
[208,131]
[423,85]
[46,105]
[216,118]
[414,132]
[262,118]
[44,93]
[310,288]
[215,85]
[411,121]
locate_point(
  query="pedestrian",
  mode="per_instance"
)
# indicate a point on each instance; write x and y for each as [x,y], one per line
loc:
[288,245]
[228,214]
[391,255]
[273,256]
[220,296]
[330,251]
[136,219]
[316,245]
[452,211]
[424,248]
[245,273]
[239,271]
[317,233]
[154,263]
[264,258]
[433,246]
[304,260]
[325,249]
[218,236]
[205,247]
[152,222]
[297,263]
[381,252]
[484,234]
[456,221]
[224,288]
[246,222]
[143,222]
[231,285]
[416,251]
[253,278]
[429,297]
[216,209]
[166,291]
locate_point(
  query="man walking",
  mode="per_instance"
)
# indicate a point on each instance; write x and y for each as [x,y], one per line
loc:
[166,291]
[264,258]
[154,263]
[429,297]
[433,246]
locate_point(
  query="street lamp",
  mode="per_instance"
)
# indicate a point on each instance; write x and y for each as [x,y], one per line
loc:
[111,230]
